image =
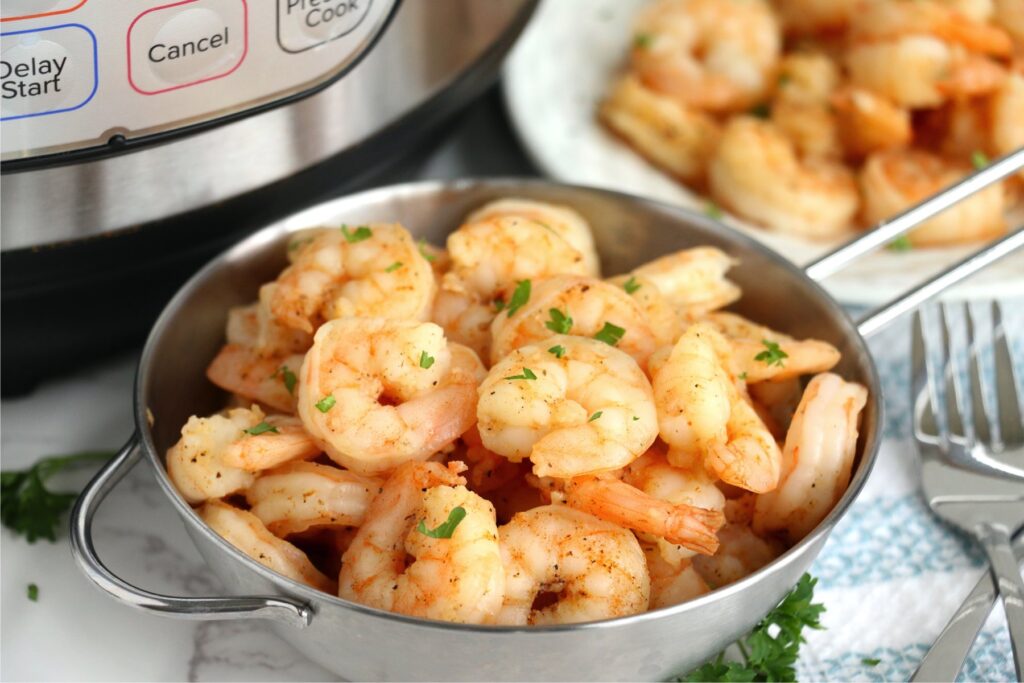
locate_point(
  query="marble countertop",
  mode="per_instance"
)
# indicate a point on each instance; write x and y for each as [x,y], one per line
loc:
[73,632]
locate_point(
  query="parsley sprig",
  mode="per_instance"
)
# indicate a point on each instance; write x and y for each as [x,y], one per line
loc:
[520,297]
[560,323]
[771,650]
[361,233]
[610,334]
[446,528]
[27,507]
[772,355]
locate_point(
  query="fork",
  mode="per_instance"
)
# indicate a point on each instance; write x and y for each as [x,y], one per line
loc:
[962,480]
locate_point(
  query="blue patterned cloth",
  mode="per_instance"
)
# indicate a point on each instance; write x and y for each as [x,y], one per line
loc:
[891,574]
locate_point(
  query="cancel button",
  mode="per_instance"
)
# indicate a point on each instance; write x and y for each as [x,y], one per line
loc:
[186,44]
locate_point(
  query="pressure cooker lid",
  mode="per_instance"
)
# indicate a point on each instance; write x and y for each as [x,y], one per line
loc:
[80,78]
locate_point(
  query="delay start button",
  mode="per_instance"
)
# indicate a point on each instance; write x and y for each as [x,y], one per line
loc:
[304,24]
[186,43]
[47,70]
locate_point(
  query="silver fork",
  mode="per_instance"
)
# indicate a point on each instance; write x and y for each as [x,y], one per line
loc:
[962,480]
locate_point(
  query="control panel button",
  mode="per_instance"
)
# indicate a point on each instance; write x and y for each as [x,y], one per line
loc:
[304,24]
[186,43]
[47,70]
[31,9]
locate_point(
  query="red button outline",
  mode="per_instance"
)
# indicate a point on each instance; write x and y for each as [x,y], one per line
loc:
[52,13]
[128,41]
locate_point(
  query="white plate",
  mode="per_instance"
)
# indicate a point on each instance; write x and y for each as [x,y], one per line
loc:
[553,81]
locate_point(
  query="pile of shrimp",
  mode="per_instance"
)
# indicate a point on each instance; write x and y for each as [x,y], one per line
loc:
[818,117]
[491,433]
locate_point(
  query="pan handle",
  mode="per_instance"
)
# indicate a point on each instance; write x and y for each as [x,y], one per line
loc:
[878,318]
[884,232]
[257,607]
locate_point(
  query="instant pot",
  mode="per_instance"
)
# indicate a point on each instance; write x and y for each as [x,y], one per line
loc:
[138,138]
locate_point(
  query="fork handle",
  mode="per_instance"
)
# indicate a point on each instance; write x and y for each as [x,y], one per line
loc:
[996,542]
[947,654]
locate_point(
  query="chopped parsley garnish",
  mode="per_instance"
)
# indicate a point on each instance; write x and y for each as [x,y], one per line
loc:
[527,374]
[361,233]
[870,661]
[261,428]
[772,355]
[426,360]
[595,416]
[300,242]
[560,323]
[631,285]
[499,305]
[901,243]
[643,40]
[771,650]
[444,529]
[557,350]
[288,377]
[393,267]
[33,592]
[27,507]
[610,334]
[422,244]
[979,159]
[326,403]
[743,375]
[635,418]
[712,210]
[761,111]
[519,298]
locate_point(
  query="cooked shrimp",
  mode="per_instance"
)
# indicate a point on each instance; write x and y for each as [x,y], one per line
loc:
[752,357]
[741,553]
[810,17]
[562,220]
[375,392]
[672,584]
[296,496]
[1006,108]
[917,52]
[255,327]
[671,134]
[679,479]
[693,280]
[749,457]
[458,578]
[975,10]
[464,318]
[246,532]
[1009,15]
[625,505]
[661,316]
[756,172]
[369,270]
[817,460]
[269,380]
[868,122]
[590,304]
[491,256]
[895,180]
[692,391]
[597,569]
[717,55]
[585,410]
[486,471]
[877,21]
[801,108]
[217,455]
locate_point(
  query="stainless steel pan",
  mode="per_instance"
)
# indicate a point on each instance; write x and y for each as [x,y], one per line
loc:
[360,643]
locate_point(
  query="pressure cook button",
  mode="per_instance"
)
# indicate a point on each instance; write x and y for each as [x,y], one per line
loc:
[303,24]
[46,71]
[186,43]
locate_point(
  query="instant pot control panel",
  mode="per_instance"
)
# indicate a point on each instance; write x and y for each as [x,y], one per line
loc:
[94,75]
